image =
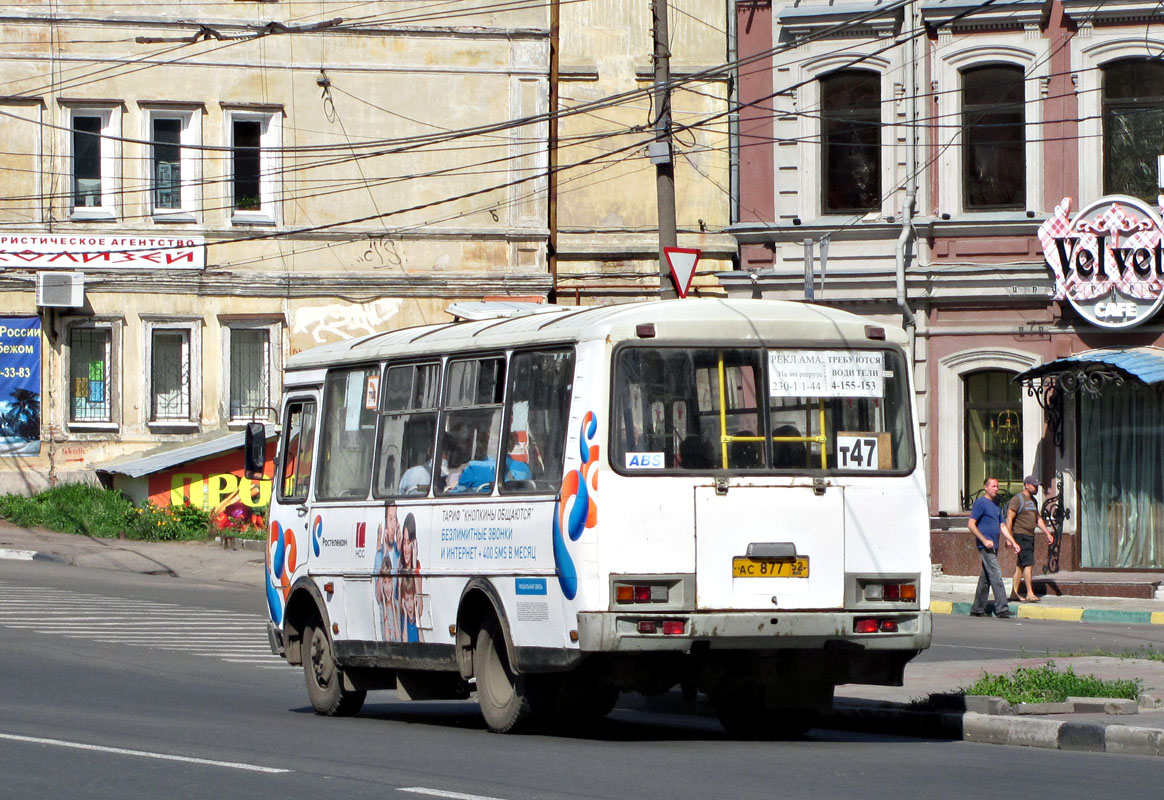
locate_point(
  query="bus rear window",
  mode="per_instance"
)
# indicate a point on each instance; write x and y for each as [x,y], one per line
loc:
[750,409]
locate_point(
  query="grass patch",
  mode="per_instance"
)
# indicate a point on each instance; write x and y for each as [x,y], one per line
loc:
[90,510]
[1045,684]
[70,508]
[1147,652]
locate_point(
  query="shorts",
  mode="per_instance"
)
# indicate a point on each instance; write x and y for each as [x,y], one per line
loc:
[1026,554]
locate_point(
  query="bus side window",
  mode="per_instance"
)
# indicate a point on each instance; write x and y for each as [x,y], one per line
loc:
[295,466]
[541,384]
[407,430]
[472,426]
[349,426]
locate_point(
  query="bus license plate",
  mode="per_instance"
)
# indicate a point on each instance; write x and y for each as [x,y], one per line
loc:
[744,567]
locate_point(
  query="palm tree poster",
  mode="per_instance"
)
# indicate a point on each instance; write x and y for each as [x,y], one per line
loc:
[20,339]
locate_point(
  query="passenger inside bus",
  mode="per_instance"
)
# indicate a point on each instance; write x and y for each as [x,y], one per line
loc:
[788,454]
[696,452]
[417,478]
[744,454]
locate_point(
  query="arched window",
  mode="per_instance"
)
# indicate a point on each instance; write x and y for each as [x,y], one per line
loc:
[1133,126]
[993,417]
[850,102]
[994,145]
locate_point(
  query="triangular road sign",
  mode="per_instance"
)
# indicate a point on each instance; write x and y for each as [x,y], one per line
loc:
[682,261]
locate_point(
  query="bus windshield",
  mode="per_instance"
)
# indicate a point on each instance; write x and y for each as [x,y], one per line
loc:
[751,409]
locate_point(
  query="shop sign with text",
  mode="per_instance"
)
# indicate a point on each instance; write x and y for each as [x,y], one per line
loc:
[100,251]
[1108,261]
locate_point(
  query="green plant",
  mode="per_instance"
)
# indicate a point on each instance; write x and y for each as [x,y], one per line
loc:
[1045,684]
[70,508]
[1146,651]
[167,523]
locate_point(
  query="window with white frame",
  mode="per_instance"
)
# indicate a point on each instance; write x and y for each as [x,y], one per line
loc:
[251,362]
[174,373]
[993,139]
[92,373]
[93,136]
[1133,126]
[989,96]
[173,163]
[850,103]
[254,165]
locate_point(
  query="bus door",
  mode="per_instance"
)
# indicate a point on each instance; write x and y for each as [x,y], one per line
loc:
[289,535]
[778,544]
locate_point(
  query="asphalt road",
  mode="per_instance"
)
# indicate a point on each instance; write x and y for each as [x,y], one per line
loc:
[124,686]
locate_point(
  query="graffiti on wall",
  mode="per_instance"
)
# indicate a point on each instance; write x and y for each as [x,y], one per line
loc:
[344,320]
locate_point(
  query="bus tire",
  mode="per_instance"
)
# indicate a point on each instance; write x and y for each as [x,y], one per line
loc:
[325,681]
[502,695]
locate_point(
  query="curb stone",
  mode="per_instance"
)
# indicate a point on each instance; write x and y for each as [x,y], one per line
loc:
[1027,612]
[1134,741]
[31,555]
[995,729]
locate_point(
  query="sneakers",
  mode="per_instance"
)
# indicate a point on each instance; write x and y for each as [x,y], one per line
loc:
[978,613]
[1003,615]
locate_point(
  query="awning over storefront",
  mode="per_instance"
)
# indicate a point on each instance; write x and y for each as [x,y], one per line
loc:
[1145,364]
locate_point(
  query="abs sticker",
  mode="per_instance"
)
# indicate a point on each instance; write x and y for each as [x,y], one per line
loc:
[644,460]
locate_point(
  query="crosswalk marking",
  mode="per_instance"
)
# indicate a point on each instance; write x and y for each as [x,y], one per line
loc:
[233,637]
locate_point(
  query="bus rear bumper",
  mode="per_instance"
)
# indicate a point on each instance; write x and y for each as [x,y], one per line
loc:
[616,632]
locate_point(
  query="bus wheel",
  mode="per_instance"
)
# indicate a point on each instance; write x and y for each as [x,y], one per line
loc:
[325,681]
[504,702]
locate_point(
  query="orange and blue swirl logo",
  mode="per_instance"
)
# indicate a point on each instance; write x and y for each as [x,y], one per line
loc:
[282,558]
[316,534]
[577,509]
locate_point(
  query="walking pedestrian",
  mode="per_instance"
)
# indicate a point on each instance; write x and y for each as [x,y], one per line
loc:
[986,525]
[1022,517]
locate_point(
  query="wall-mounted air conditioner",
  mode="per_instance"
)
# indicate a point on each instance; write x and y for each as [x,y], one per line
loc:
[60,289]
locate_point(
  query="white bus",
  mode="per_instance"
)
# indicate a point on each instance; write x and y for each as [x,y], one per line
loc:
[552,508]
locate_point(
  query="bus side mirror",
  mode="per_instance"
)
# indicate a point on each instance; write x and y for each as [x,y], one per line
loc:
[255,450]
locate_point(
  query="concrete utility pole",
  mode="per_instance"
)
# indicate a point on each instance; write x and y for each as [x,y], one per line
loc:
[660,148]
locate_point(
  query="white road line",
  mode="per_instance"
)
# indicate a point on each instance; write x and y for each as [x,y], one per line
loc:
[141,753]
[440,793]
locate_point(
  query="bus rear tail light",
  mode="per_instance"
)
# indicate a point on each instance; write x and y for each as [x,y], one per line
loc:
[891,592]
[648,626]
[640,593]
[674,627]
[873,625]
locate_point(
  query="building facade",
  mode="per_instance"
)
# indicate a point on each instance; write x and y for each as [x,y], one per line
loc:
[919,156]
[190,193]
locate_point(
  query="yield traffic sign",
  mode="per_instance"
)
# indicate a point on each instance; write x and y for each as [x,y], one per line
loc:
[682,261]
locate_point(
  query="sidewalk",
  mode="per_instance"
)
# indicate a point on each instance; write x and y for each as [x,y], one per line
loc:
[880,709]
[205,561]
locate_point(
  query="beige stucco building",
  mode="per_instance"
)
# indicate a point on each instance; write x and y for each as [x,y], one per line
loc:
[236,182]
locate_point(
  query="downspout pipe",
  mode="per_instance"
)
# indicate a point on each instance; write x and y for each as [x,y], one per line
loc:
[908,233]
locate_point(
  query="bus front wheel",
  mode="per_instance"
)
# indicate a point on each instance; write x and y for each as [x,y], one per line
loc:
[502,695]
[325,681]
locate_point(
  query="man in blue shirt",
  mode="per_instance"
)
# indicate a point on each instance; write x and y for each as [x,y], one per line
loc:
[986,525]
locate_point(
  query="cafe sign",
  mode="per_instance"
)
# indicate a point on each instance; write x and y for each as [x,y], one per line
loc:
[1107,262]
